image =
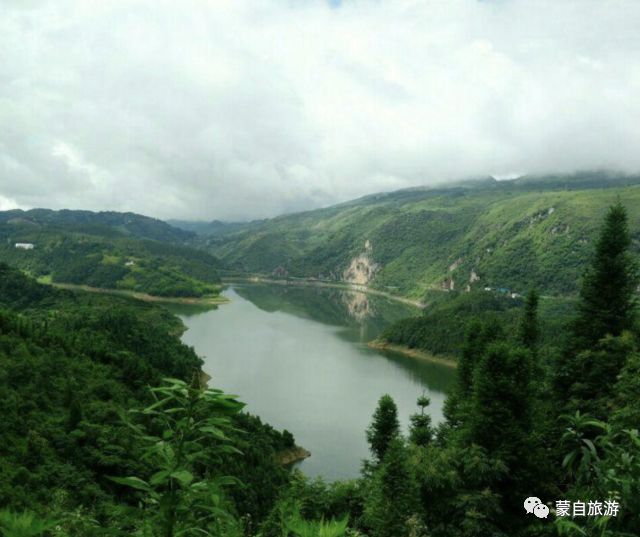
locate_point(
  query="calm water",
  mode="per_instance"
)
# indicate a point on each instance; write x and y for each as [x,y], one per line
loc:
[298,358]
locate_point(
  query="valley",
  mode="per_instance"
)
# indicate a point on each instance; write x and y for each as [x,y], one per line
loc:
[395,346]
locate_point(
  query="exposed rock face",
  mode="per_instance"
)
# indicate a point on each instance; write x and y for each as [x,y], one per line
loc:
[455,264]
[448,284]
[560,229]
[473,277]
[362,268]
[541,215]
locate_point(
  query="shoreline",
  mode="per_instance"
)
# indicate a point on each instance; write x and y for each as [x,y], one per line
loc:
[412,353]
[145,297]
[293,455]
[345,286]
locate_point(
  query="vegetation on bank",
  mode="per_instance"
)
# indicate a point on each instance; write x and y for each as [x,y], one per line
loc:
[107,250]
[204,301]
[441,326]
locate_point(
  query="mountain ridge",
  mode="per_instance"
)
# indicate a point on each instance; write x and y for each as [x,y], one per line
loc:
[530,231]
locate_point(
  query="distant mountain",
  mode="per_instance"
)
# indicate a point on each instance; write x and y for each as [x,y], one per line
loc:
[111,250]
[215,227]
[100,223]
[509,235]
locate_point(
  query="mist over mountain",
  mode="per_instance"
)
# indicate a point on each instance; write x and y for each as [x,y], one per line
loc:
[251,109]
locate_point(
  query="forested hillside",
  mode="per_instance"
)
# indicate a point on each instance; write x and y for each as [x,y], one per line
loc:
[440,328]
[110,250]
[506,235]
[127,224]
[72,365]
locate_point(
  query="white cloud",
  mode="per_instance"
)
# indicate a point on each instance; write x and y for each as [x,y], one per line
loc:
[7,204]
[248,108]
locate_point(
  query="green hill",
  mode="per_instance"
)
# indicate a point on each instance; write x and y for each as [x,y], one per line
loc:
[105,222]
[440,328]
[507,235]
[111,250]
[72,365]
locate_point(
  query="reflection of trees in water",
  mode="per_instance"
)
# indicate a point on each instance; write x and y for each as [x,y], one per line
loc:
[435,376]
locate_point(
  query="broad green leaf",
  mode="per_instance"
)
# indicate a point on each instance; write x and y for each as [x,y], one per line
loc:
[133,482]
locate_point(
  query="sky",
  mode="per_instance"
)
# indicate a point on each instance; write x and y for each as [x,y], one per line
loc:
[245,109]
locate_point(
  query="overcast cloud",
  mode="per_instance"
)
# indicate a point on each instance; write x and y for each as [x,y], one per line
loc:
[250,108]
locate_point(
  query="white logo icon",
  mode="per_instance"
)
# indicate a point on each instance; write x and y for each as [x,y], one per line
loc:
[541,510]
[530,504]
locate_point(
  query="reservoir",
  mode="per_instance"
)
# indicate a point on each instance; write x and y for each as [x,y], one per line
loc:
[298,358]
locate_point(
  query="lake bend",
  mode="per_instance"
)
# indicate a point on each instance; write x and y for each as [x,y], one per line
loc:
[298,357]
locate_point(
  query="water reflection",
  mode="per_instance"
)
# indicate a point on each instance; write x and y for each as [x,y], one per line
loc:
[330,306]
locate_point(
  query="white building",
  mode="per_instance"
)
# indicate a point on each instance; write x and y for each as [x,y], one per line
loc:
[24,245]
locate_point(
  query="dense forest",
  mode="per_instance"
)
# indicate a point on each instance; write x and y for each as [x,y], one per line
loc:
[108,250]
[72,367]
[546,410]
[441,327]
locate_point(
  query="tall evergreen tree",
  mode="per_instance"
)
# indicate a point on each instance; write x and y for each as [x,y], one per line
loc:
[501,423]
[607,307]
[384,428]
[420,430]
[500,414]
[477,337]
[607,297]
[529,330]
[394,496]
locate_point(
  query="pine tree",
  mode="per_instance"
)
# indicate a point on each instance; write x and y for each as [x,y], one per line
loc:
[500,422]
[384,428]
[607,307]
[607,297]
[529,329]
[500,414]
[394,494]
[477,337]
[420,430]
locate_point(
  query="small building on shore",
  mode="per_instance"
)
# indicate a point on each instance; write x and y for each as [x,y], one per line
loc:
[24,245]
